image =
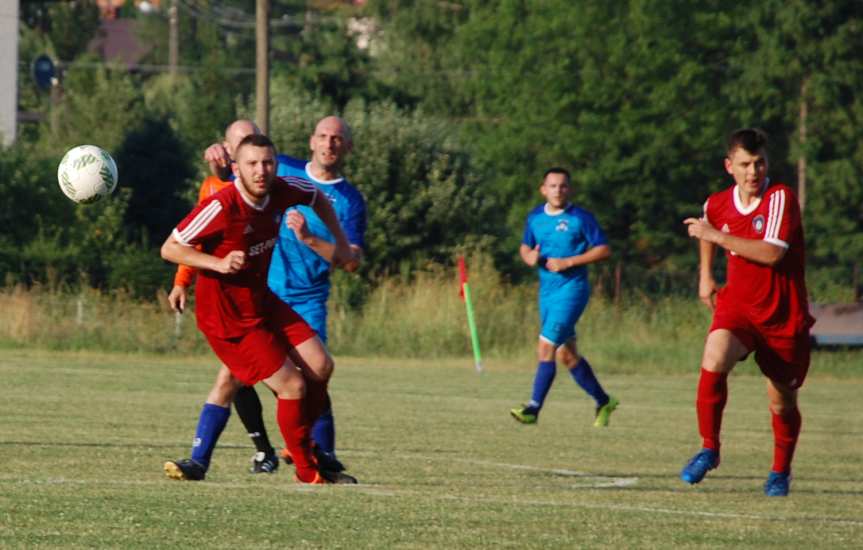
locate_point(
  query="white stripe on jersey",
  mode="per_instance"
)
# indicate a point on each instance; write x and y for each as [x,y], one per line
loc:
[300,183]
[199,222]
[774,216]
[705,210]
[303,185]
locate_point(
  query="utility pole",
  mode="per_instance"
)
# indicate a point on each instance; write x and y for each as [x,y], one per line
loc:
[173,39]
[262,66]
[801,136]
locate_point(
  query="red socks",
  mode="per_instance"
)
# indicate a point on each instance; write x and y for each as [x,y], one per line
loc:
[786,430]
[710,402]
[295,431]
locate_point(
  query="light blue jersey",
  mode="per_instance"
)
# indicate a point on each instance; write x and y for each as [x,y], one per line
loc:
[563,295]
[298,275]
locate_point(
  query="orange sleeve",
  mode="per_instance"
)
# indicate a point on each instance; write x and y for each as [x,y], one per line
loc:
[211,185]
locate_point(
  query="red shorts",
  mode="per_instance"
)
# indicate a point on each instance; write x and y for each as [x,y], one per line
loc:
[782,359]
[262,351]
[253,357]
[285,321]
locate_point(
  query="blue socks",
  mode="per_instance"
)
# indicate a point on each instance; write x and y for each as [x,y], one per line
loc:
[210,425]
[324,432]
[545,372]
[584,377]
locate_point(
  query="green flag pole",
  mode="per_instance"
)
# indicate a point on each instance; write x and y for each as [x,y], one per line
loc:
[471,322]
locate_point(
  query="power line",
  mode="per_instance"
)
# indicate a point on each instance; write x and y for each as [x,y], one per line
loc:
[142,67]
[232,17]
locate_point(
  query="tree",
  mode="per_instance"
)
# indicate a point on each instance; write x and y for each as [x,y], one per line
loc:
[798,74]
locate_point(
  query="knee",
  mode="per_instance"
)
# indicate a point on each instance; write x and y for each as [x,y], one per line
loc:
[567,357]
[782,406]
[292,387]
[322,368]
[716,362]
[545,351]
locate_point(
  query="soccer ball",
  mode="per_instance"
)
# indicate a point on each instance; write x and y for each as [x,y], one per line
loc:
[87,173]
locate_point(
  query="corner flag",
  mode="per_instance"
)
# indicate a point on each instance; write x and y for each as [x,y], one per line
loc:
[464,292]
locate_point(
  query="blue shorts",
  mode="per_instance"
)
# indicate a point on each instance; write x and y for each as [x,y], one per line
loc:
[313,312]
[558,314]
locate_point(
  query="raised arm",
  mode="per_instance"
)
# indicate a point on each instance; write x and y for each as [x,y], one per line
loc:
[756,250]
[342,253]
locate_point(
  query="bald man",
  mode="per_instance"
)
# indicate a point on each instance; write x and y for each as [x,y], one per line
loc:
[302,260]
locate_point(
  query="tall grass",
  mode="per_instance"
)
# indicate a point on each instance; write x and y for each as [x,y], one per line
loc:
[89,319]
[423,317]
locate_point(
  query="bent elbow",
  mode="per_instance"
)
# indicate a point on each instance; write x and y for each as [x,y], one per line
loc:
[604,253]
[165,251]
[774,255]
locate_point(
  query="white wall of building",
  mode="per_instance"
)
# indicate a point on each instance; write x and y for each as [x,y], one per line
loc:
[8,70]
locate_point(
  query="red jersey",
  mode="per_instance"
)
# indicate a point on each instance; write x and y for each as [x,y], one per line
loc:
[210,186]
[773,298]
[228,306]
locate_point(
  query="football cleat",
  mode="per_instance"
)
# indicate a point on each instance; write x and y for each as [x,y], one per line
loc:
[777,484]
[323,477]
[603,413]
[185,469]
[264,464]
[698,466]
[326,461]
[525,414]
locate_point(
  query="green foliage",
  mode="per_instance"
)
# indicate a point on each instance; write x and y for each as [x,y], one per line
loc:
[156,166]
[99,106]
[425,197]
[458,108]
[67,26]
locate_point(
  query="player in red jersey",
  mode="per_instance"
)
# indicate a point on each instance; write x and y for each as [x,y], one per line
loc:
[763,307]
[257,337]
[249,410]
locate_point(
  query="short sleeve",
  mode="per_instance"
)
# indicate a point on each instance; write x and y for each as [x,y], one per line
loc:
[593,233]
[206,220]
[529,238]
[296,191]
[355,221]
[783,217]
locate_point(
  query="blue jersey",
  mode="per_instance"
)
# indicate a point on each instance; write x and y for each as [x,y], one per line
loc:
[297,273]
[569,233]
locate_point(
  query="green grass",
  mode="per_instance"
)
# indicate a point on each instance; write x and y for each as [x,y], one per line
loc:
[83,437]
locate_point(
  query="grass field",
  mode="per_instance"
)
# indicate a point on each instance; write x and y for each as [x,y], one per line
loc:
[83,437]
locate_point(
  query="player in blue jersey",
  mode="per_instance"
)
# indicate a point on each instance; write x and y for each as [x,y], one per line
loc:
[562,239]
[302,261]
[301,264]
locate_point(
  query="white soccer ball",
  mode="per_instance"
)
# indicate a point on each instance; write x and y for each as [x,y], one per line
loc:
[87,173]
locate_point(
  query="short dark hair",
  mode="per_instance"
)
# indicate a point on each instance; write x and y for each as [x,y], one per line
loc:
[751,140]
[258,140]
[557,170]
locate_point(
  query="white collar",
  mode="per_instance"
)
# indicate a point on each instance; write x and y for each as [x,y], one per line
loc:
[320,181]
[562,210]
[738,204]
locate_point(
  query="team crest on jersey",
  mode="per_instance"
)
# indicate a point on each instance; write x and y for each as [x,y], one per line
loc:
[725,228]
[758,223]
[562,226]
